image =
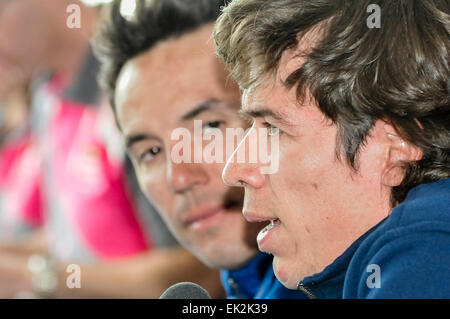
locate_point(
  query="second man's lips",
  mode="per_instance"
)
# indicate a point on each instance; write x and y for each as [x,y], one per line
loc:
[201,213]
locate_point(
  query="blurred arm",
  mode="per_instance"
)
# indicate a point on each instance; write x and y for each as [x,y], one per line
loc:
[143,276]
[35,243]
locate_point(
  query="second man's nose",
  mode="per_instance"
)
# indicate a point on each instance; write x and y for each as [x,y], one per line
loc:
[182,177]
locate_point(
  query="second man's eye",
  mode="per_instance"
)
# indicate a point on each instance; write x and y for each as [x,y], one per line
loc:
[149,154]
[213,124]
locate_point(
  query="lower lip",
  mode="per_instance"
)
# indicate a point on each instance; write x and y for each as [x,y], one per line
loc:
[266,236]
[207,222]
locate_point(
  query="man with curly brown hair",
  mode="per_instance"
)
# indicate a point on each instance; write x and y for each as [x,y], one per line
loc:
[359,207]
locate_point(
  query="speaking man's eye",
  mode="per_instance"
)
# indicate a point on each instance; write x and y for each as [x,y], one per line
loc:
[149,154]
[271,129]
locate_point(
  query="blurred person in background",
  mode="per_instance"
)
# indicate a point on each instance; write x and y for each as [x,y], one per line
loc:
[161,73]
[20,178]
[93,216]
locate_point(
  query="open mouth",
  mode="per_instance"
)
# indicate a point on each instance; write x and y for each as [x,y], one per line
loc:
[262,235]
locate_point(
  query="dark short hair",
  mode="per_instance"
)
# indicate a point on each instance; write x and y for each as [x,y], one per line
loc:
[357,75]
[120,39]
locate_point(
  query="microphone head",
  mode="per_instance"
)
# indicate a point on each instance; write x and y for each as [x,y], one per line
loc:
[185,290]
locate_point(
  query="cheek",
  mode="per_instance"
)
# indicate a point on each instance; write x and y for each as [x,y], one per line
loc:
[309,163]
[214,170]
[155,187]
[302,168]
[305,186]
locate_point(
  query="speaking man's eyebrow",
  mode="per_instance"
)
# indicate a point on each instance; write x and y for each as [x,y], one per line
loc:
[197,110]
[134,138]
[261,113]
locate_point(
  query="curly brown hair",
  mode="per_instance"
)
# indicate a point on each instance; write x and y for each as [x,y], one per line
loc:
[357,75]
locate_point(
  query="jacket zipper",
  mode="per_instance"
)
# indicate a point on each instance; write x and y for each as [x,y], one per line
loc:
[302,288]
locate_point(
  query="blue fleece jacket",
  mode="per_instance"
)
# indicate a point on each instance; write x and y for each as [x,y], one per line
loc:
[407,255]
[256,280]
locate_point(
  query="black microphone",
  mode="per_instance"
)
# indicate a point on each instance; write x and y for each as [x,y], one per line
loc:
[185,290]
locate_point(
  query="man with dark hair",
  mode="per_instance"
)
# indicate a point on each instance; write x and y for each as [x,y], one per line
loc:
[359,207]
[162,75]
[99,238]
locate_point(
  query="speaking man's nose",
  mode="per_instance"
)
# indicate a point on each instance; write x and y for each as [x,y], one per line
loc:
[242,168]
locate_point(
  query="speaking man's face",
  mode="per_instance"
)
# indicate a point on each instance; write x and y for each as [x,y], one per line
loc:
[315,205]
[159,93]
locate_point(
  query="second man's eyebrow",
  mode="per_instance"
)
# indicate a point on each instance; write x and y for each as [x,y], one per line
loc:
[202,107]
[134,138]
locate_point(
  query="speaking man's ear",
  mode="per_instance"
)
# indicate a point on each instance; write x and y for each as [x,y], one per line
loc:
[399,152]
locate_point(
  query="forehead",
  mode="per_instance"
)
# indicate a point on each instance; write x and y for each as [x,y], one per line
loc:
[270,94]
[271,88]
[272,98]
[173,76]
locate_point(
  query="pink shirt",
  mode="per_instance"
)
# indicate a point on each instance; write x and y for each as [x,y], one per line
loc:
[91,211]
[21,207]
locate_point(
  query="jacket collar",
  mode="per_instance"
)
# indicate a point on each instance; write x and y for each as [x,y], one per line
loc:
[329,283]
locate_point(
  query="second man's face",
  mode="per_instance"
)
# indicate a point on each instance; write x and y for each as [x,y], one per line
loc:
[161,93]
